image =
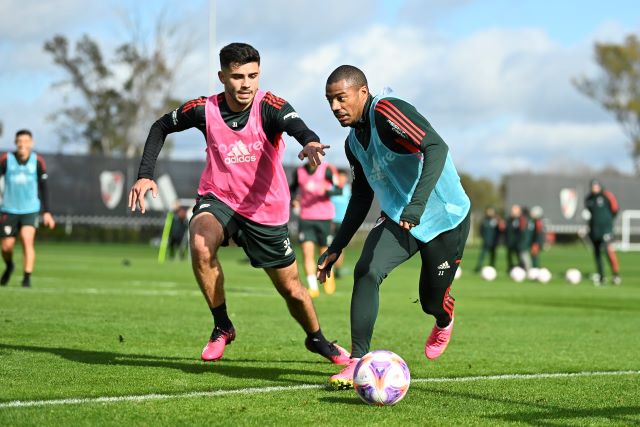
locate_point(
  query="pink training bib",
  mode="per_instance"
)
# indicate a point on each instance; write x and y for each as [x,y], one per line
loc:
[315,204]
[243,168]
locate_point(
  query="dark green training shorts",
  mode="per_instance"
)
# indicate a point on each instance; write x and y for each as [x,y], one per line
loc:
[315,230]
[266,246]
[10,223]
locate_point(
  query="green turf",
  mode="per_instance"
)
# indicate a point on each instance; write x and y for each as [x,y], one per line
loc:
[107,320]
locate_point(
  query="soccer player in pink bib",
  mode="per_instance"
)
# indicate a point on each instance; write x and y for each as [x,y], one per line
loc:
[314,186]
[243,192]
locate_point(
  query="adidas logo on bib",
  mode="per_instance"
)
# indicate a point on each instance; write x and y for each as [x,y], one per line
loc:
[239,152]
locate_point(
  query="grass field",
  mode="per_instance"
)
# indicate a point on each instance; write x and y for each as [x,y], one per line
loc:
[95,327]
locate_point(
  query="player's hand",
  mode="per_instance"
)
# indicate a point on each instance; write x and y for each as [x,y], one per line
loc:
[139,189]
[535,249]
[325,263]
[406,224]
[48,221]
[314,151]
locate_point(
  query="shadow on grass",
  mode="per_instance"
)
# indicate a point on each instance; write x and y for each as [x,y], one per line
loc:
[545,414]
[350,398]
[222,367]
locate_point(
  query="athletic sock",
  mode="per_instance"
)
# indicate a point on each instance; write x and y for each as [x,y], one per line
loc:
[26,279]
[312,281]
[220,317]
[7,273]
[319,343]
[441,324]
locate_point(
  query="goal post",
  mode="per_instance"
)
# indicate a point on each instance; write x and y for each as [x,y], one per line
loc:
[630,226]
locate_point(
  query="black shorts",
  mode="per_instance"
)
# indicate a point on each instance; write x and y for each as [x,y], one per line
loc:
[10,223]
[314,230]
[266,246]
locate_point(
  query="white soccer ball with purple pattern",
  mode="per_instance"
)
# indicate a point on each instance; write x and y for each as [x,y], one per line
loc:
[381,378]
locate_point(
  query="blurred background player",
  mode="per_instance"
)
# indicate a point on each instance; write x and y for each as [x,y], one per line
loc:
[340,203]
[512,236]
[489,233]
[395,153]
[243,192]
[525,239]
[25,195]
[603,208]
[314,186]
[539,236]
[178,239]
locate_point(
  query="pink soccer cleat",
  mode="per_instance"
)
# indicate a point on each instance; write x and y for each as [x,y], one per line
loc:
[343,380]
[438,341]
[342,358]
[215,347]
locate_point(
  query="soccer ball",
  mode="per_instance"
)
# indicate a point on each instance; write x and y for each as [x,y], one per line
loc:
[533,273]
[518,274]
[488,273]
[381,378]
[544,275]
[573,276]
[458,273]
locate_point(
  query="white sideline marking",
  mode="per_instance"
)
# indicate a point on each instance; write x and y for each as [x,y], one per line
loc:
[262,390]
[267,293]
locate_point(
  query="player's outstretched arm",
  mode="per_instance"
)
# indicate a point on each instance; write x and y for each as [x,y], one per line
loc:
[314,151]
[137,192]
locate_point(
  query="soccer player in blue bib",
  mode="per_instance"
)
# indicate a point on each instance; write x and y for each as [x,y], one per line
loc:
[25,195]
[396,155]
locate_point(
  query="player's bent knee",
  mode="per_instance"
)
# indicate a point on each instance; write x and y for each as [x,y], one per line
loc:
[368,274]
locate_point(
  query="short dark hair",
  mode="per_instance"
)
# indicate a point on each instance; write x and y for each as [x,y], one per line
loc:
[353,75]
[24,132]
[238,54]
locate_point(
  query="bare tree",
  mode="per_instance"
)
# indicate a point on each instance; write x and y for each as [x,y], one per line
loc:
[120,97]
[617,88]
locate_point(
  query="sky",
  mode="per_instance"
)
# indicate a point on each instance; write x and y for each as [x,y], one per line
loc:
[493,77]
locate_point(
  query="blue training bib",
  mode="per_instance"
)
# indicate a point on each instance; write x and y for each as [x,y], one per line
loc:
[393,177]
[21,186]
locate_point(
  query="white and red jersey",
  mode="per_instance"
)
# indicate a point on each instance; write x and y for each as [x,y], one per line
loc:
[315,203]
[243,168]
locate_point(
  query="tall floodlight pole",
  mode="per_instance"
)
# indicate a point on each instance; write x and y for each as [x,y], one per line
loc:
[212,45]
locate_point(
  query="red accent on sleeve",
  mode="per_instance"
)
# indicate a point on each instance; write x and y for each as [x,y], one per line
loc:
[408,146]
[612,201]
[41,162]
[3,157]
[193,103]
[392,113]
[273,100]
[538,225]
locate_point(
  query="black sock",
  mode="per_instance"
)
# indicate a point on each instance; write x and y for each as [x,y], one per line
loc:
[317,335]
[321,345]
[26,279]
[220,317]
